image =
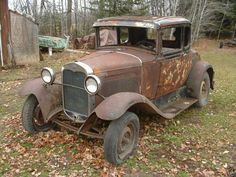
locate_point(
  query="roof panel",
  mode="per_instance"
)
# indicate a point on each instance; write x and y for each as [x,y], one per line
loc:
[141,21]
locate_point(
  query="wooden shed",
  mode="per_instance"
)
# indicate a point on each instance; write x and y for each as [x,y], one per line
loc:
[19,37]
[24,39]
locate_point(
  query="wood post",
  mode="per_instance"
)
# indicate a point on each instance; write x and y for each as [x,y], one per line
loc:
[5,30]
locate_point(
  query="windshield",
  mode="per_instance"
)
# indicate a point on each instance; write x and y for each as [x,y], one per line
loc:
[127,36]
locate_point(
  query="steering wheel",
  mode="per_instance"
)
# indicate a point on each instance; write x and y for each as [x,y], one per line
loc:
[146,44]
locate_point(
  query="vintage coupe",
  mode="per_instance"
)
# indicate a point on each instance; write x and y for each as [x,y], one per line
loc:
[143,64]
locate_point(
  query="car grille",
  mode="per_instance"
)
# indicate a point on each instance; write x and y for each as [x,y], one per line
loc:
[76,98]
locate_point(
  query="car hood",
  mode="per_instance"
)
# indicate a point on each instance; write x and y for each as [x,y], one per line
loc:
[105,61]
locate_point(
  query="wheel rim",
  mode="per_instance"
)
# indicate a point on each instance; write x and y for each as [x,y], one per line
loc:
[204,90]
[38,117]
[126,141]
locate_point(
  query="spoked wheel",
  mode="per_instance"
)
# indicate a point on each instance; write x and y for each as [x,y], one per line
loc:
[32,118]
[126,141]
[121,138]
[204,91]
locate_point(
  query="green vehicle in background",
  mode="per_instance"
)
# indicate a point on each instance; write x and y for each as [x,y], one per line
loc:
[55,43]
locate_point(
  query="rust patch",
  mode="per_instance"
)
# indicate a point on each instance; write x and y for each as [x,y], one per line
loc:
[174,73]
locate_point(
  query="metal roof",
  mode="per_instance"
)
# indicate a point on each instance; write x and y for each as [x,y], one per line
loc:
[141,21]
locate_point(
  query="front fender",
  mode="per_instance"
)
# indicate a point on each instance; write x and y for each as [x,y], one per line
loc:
[48,96]
[116,105]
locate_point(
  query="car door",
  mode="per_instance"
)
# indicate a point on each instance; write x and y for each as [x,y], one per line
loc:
[175,62]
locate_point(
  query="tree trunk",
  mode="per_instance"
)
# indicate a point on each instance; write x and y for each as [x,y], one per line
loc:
[69,17]
[175,7]
[51,22]
[200,20]
[222,21]
[152,7]
[28,7]
[41,8]
[62,19]
[192,18]
[85,7]
[35,10]
[54,18]
[76,17]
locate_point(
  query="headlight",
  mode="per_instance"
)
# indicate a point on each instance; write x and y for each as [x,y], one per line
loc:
[48,75]
[92,84]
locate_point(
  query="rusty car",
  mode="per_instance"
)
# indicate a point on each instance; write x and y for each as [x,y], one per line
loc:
[145,65]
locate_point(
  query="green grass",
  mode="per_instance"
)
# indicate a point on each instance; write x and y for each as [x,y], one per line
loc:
[202,139]
[183,174]
[4,167]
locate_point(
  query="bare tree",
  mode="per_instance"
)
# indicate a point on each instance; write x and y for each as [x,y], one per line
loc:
[54,11]
[59,17]
[76,16]
[69,16]
[28,7]
[62,18]
[175,7]
[222,21]
[201,17]
[41,8]
[85,7]
[35,10]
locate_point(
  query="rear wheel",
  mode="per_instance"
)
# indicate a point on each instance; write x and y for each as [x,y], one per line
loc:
[32,118]
[121,138]
[204,90]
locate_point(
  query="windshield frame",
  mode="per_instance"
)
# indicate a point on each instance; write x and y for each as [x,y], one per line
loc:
[117,28]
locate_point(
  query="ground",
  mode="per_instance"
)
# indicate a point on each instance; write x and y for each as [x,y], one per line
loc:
[199,142]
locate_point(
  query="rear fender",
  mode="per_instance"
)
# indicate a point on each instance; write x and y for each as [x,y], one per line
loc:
[116,105]
[48,96]
[196,75]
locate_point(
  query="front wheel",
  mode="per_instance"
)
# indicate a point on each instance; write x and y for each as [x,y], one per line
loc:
[32,118]
[121,138]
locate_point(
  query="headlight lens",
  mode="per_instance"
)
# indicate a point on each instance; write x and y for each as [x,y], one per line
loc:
[92,84]
[48,75]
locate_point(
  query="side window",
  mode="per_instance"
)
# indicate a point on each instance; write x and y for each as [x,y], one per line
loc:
[172,41]
[171,38]
[167,34]
[187,37]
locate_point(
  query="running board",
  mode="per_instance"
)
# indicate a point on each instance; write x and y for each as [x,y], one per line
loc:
[176,107]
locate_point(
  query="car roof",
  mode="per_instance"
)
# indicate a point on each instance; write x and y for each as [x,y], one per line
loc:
[142,21]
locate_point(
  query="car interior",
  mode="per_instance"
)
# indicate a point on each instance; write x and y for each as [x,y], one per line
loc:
[129,36]
[146,38]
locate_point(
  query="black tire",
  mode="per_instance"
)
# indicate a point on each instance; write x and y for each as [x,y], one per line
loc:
[123,130]
[203,91]
[31,113]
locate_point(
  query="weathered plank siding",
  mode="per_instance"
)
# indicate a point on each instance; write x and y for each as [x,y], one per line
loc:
[24,37]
